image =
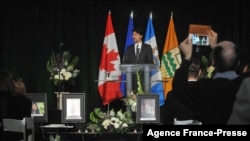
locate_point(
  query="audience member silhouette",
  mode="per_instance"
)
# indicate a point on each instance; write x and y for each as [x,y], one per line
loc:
[19,105]
[240,113]
[217,95]
[183,108]
[6,90]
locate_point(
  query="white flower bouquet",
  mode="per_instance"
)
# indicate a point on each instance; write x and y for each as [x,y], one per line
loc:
[109,122]
[62,67]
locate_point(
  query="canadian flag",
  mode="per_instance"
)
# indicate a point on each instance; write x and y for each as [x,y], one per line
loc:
[109,90]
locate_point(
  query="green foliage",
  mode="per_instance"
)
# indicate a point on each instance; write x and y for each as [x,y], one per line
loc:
[56,138]
[139,89]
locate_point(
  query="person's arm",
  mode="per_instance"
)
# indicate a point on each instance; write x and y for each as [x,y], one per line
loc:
[213,37]
[180,80]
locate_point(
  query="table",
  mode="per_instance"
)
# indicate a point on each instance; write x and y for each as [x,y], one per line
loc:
[71,133]
[55,129]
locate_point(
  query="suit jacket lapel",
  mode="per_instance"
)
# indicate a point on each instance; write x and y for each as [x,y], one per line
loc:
[142,51]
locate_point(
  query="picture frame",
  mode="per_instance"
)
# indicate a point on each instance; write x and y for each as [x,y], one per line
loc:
[39,102]
[148,109]
[73,108]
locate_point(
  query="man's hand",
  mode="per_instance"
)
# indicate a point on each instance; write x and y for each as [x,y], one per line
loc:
[186,48]
[213,37]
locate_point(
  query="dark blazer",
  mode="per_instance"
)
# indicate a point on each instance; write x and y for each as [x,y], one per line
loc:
[240,113]
[4,96]
[18,107]
[175,108]
[145,57]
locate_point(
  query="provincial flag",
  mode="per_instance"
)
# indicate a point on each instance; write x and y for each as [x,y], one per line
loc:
[129,41]
[109,66]
[171,58]
[156,83]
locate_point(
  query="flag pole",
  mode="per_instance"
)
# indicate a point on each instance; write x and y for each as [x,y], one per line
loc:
[108,109]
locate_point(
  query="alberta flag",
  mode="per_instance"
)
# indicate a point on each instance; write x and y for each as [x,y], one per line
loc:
[129,41]
[156,83]
[109,66]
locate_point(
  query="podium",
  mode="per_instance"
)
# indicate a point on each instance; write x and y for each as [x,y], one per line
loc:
[128,69]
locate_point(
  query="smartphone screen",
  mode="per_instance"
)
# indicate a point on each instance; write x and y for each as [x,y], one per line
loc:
[199,39]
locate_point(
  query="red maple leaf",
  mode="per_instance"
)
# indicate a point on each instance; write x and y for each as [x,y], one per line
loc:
[107,58]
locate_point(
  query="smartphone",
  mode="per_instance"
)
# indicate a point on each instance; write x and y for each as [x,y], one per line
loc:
[198,34]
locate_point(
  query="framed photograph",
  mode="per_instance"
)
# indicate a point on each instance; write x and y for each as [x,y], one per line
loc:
[39,110]
[148,109]
[73,108]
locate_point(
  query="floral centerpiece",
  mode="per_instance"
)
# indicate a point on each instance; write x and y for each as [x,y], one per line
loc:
[109,122]
[62,68]
[130,101]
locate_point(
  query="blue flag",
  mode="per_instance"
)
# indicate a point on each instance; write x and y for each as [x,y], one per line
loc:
[129,41]
[156,79]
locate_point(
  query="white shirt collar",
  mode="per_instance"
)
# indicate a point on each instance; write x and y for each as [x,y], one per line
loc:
[139,45]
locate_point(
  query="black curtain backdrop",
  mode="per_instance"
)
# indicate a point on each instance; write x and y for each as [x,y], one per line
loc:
[31,29]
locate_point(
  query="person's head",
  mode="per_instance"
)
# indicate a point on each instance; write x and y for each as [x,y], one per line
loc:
[244,62]
[6,81]
[225,56]
[20,88]
[34,107]
[194,69]
[137,35]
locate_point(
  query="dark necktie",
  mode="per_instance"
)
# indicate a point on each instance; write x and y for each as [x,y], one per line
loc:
[137,53]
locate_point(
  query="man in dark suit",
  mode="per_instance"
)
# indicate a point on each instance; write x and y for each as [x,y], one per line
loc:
[138,53]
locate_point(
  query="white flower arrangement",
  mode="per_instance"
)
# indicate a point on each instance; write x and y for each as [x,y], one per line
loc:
[130,101]
[62,67]
[109,122]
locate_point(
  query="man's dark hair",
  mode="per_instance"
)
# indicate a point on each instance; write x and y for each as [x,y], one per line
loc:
[194,67]
[138,30]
